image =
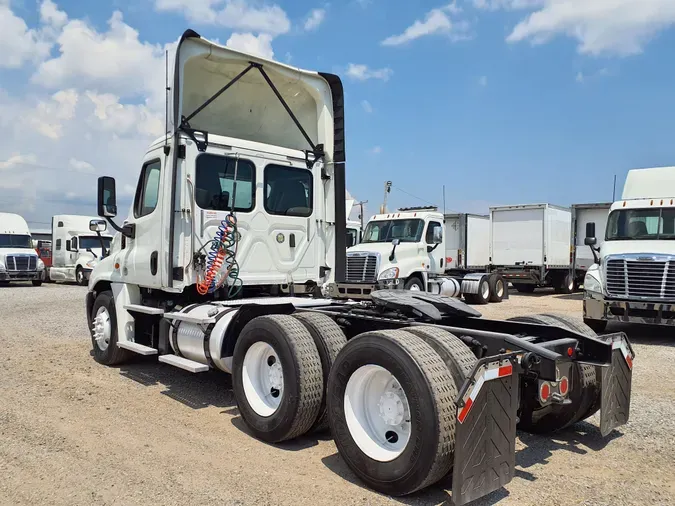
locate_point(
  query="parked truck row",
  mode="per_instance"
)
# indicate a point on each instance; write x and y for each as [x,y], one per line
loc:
[412,385]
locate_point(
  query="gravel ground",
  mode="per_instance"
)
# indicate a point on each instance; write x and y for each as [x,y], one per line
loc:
[73,432]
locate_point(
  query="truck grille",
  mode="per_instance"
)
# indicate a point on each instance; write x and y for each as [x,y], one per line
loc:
[362,268]
[628,277]
[21,263]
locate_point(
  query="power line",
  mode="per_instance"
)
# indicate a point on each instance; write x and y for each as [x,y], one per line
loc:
[45,167]
[414,196]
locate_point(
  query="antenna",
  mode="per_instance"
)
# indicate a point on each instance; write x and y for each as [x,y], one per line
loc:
[614,189]
[166,102]
[443,200]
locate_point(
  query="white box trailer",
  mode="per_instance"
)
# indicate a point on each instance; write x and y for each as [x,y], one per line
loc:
[530,246]
[588,220]
[467,242]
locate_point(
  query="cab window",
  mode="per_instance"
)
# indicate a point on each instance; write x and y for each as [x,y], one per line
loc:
[147,193]
[288,191]
[215,183]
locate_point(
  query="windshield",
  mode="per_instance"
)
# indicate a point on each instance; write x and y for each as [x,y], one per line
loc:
[641,224]
[388,230]
[89,242]
[15,241]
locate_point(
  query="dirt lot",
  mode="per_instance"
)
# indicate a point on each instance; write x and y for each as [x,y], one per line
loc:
[73,432]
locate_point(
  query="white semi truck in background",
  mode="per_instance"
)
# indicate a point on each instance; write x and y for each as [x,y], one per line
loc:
[633,277]
[18,259]
[408,249]
[227,211]
[75,248]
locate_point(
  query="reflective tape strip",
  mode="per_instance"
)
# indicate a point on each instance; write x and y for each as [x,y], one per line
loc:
[621,345]
[493,372]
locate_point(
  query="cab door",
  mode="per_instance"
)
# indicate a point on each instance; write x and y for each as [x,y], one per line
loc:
[141,254]
[435,244]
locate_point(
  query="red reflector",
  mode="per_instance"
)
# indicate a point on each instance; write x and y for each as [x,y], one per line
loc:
[570,351]
[545,392]
[505,370]
[564,386]
[629,361]
[465,411]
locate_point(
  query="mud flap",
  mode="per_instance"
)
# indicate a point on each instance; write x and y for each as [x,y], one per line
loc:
[485,439]
[616,386]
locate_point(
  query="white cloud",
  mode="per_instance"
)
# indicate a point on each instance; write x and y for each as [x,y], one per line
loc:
[240,15]
[376,150]
[17,160]
[51,15]
[483,81]
[436,22]
[82,166]
[612,27]
[580,77]
[123,119]
[260,45]
[315,18]
[366,106]
[48,116]
[19,43]
[361,72]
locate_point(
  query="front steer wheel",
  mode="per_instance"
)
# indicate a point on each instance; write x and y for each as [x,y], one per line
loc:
[391,405]
[104,331]
[277,378]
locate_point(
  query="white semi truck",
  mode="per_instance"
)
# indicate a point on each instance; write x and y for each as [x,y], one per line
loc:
[246,193]
[633,276]
[18,259]
[408,249]
[75,248]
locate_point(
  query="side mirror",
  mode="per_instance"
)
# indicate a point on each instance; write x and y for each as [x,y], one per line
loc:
[350,240]
[395,242]
[590,241]
[98,226]
[107,199]
[438,235]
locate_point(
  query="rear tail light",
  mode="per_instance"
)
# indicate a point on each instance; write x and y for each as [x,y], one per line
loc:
[544,392]
[564,386]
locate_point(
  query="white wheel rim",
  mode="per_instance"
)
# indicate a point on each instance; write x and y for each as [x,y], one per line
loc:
[102,328]
[485,290]
[415,288]
[263,379]
[570,285]
[500,288]
[377,413]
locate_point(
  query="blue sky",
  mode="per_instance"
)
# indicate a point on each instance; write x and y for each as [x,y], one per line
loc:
[501,101]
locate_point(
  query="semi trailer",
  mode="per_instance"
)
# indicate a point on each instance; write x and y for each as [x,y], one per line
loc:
[18,259]
[412,385]
[632,278]
[408,249]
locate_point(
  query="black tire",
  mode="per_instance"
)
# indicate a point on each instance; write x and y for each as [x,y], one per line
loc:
[565,284]
[414,281]
[457,356]
[597,325]
[37,282]
[497,288]
[431,393]
[4,283]
[329,340]
[80,278]
[523,288]
[584,393]
[302,377]
[112,354]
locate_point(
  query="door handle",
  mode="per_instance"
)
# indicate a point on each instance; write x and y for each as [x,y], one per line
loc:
[291,240]
[153,263]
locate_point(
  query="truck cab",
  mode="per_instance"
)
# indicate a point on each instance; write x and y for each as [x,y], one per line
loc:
[18,259]
[633,277]
[75,248]
[399,250]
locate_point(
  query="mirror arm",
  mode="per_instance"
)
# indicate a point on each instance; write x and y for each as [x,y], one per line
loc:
[128,230]
[430,249]
[393,254]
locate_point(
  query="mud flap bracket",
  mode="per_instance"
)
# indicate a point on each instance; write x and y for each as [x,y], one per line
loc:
[616,386]
[485,439]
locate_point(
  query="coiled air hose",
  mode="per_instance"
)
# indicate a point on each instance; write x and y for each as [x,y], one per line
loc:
[223,254]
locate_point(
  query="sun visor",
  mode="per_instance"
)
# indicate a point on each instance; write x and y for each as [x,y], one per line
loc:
[249,109]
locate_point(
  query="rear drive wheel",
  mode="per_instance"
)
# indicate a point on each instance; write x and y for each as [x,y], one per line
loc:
[584,393]
[329,340]
[37,282]
[392,411]
[104,331]
[523,288]
[277,378]
[415,284]
[497,288]
[566,284]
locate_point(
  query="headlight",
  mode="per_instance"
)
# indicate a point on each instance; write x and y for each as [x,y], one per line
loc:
[40,265]
[391,273]
[2,267]
[591,283]
[92,263]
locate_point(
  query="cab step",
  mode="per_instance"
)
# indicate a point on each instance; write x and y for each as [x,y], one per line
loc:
[137,348]
[183,363]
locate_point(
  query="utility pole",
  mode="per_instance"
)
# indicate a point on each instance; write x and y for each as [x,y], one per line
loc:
[387,191]
[361,213]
